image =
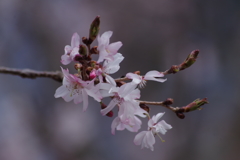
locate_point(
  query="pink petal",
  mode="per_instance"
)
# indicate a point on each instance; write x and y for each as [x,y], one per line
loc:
[61,91]
[104,39]
[65,59]
[152,74]
[78,99]
[67,49]
[85,100]
[110,106]
[75,40]
[135,78]
[157,117]
[139,137]
[114,47]
[115,123]
[149,140]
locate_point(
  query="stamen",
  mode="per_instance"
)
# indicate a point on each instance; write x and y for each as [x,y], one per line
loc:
[160,137]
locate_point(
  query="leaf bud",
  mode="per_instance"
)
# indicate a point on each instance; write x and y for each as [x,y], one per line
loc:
[190,60]
[94,29]
[195,105]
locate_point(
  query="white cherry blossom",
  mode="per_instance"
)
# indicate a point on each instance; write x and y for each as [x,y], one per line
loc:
[71,51]
[141,80]
[147,138]
[106,50]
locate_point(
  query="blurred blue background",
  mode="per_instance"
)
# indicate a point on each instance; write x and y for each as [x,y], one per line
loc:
[155,34]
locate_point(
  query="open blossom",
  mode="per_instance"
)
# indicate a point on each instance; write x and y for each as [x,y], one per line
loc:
[146,138]
[110,67]
[141,80]
[75,89]
[71,51]
[106,50]
[125,98]
[126,92]
[127,117]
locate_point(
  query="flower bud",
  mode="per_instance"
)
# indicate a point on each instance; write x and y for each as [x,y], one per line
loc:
[145,107]
[190,60]
[94,29]
[110,113]
[92,74]
[85,40]
[180,115]
[94,50]
[77,66]
[168,101]
[83,50]
[195,105]
[137,72]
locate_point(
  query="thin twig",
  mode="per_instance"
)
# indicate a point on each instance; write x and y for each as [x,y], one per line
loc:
[29,73]
[174,109]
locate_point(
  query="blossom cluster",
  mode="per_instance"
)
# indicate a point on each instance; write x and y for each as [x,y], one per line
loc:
[93,79]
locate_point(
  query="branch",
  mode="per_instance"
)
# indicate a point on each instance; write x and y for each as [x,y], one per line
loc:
[195,105]
[28,73]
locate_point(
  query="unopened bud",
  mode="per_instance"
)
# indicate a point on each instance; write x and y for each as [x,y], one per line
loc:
[94,50]
[78,58]
[190,60]
[137,72]
[83,50]
[110,113]
[92,74]
[180,115]
[94,29]
[145,107]
[85,40]
[168,101]
[77,66]
[119,84]
[195,105]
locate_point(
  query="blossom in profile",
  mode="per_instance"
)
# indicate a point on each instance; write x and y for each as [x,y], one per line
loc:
[76,89]
[141,80]
[106,50]
[71,51]
[147,138]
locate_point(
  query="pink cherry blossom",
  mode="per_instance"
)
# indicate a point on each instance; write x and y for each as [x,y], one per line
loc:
[146,138]
[126,92]
[141,80]
[127,117]
[71,51]
[125,98]
[110,67]
[75,89]
[106,50]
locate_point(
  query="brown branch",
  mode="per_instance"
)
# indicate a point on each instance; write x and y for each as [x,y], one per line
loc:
[28,73]
[190,60]
[195,105]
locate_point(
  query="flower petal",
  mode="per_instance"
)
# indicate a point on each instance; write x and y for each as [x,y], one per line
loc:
[152,74]
[139,137]
[75,40]
[85,100]
[110,106]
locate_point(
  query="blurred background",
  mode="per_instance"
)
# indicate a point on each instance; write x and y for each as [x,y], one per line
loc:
[155,35]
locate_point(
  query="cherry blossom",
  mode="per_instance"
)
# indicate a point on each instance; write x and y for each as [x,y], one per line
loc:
[106,50]
[141,80]
[146,138]
[76,89]
[110,67]
[71,51]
